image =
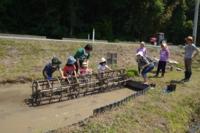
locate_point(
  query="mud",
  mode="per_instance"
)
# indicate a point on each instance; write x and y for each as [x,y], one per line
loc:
[16,116]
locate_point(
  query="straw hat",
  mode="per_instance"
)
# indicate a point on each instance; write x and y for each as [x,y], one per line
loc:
[189,38]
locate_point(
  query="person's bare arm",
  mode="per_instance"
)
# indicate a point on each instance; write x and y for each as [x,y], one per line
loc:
[147,64]
[61,73]
[75,73]
[109,68]
[197,52]
[87,61]
[78,63]
[45,74]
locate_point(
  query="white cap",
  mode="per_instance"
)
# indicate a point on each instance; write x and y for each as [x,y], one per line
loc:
[84,64]
[140,53]
[103,60]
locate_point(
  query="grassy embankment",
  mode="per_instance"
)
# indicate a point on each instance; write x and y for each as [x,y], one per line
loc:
[154,112]
[24,60]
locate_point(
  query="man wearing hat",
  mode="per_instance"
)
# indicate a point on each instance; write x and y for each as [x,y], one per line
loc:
[189,50]
[82,54]
[51,67]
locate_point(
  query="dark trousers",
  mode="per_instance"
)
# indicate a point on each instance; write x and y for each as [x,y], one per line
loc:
[188,68]
[161,65]
[77,65]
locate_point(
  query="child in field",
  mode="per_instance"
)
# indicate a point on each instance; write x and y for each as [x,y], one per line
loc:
[164,55]
[51,67]
[84,69]
[70,68]
[102,65]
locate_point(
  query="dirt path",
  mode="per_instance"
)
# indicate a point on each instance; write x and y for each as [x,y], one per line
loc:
[18,117]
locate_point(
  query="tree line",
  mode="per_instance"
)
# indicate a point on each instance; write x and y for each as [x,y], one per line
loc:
[127,20]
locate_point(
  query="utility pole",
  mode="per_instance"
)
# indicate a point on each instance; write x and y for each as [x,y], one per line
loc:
[93,34]
[196,13]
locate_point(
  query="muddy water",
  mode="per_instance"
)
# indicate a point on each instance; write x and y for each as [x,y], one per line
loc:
[18,117]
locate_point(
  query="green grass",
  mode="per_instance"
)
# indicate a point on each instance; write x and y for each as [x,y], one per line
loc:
[153,112]
[131,72]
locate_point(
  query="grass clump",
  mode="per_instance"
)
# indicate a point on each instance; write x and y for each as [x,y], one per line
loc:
[132,72]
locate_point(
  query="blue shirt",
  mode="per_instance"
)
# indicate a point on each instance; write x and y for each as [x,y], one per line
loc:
[50,70]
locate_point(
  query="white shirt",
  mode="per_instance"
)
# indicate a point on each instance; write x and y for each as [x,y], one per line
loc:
[102,68]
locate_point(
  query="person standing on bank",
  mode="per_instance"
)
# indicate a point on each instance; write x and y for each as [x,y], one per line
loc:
[189,50]
[164,55]
[143,50]
[82,54]
[144,65]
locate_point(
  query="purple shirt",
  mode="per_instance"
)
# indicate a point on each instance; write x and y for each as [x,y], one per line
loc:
[143,50]
[164,55]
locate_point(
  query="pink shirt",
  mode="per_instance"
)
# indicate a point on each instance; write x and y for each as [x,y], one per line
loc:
[84,71]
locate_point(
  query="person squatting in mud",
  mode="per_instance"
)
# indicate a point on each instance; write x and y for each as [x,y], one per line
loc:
[143,50]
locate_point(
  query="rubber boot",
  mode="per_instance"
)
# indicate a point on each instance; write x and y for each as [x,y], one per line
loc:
[169,88]
[188,75]
[173,87]
[185,76]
